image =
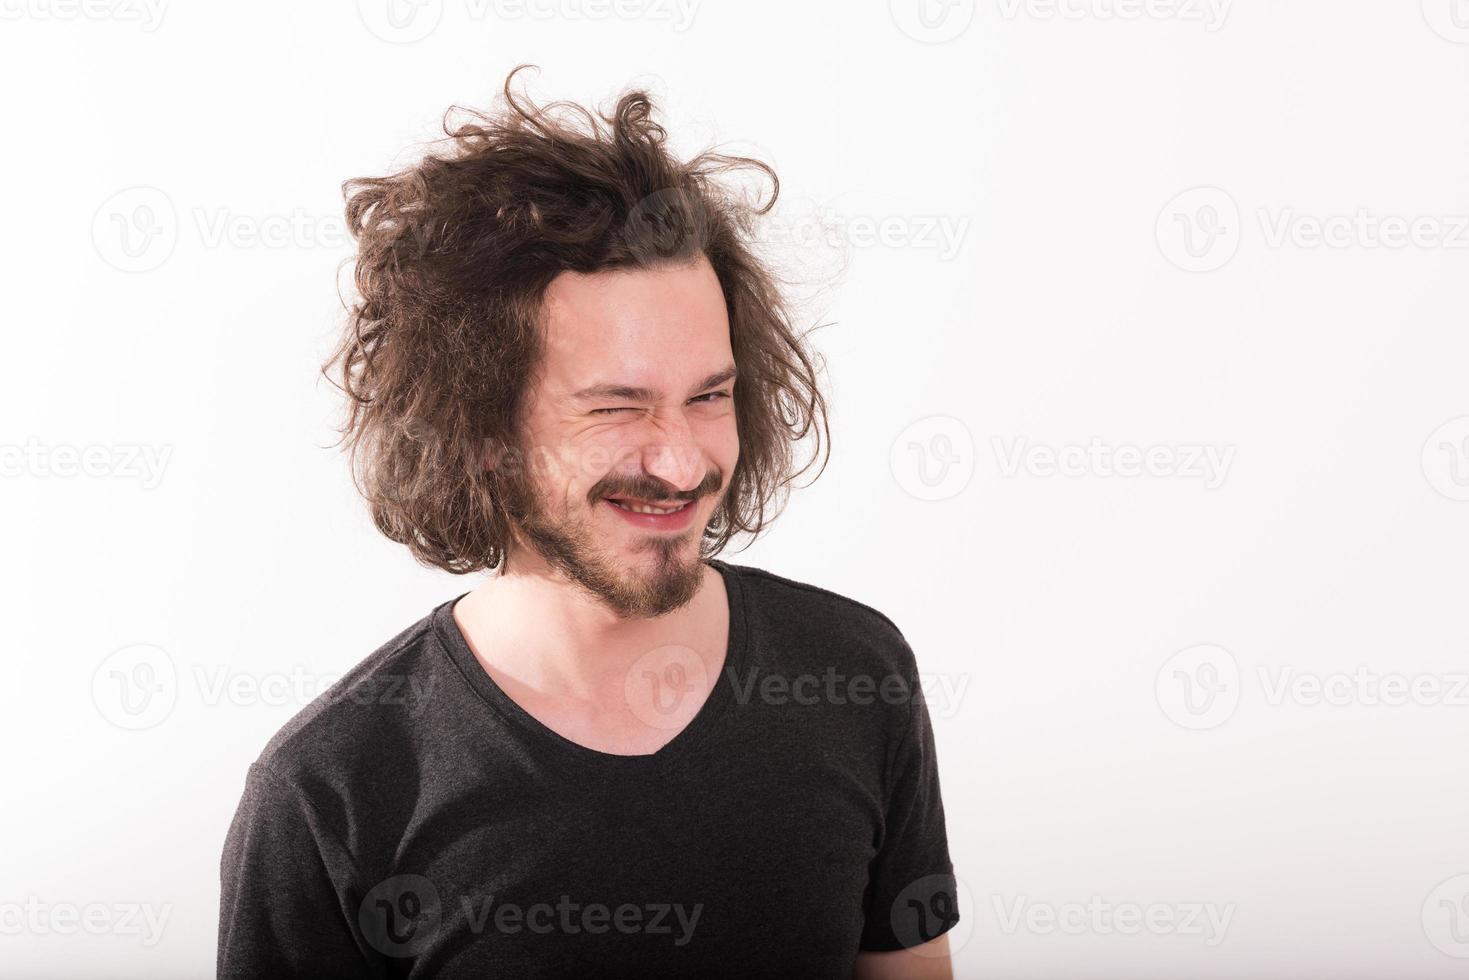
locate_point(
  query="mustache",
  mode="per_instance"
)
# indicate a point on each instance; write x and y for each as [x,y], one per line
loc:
[654,489]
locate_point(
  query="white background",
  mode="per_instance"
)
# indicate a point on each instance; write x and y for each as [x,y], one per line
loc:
[1038,283]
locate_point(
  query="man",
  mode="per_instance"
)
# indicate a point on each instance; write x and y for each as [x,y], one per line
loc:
[618,756]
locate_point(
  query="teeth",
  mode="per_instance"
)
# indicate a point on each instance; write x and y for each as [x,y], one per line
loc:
[642,509]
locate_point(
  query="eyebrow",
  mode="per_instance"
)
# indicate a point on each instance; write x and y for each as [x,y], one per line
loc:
[634,394]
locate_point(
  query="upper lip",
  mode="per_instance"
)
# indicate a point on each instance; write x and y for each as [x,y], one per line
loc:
[648,503]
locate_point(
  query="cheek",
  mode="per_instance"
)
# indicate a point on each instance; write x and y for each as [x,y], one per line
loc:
[595,454]
[563,472]
[721,444]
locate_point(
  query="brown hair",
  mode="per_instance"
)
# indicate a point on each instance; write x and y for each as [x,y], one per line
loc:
[454,255]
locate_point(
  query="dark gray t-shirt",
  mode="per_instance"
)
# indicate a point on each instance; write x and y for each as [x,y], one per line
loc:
[414,821]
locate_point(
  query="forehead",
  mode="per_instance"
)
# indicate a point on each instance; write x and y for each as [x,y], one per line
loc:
[660,328]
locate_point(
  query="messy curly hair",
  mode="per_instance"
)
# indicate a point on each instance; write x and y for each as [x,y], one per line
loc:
[454,255]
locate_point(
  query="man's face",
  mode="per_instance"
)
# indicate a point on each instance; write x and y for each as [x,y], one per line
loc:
[633,403]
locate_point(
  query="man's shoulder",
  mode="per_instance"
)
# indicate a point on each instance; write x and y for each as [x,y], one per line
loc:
[802,609]
[814,598]
[368,709]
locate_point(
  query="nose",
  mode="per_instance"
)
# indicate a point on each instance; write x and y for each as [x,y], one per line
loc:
[673,456]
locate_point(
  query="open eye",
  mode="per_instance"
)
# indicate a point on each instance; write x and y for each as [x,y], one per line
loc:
[710,398]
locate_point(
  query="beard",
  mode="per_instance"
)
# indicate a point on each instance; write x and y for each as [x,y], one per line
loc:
[568,543]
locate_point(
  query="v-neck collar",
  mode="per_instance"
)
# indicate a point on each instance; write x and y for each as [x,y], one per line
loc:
[592,761]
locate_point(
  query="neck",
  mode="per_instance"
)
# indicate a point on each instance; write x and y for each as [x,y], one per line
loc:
[530,625]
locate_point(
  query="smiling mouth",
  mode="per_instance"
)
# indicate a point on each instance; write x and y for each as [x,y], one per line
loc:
[643,507]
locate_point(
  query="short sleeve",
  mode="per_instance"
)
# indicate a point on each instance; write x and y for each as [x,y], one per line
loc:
[286,905]
[911,895]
